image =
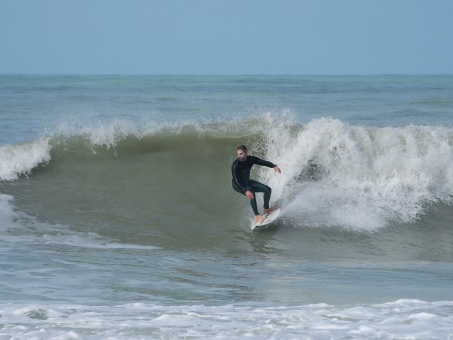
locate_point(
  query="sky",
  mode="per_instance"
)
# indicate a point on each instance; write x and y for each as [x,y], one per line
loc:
[309,37]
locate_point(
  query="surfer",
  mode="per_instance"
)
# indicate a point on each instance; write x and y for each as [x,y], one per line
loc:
[244,185]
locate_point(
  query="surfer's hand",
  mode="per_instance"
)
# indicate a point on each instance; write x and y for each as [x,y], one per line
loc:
[277,169]
[249,194]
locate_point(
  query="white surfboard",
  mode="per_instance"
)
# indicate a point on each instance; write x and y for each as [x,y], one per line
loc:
[269,219]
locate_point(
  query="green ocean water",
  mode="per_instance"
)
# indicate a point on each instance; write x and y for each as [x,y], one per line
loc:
[118,218]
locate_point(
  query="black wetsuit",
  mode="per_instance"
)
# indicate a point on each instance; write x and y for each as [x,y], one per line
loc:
[241,182]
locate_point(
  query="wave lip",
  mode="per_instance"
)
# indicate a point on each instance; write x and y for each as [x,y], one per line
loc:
[20,159]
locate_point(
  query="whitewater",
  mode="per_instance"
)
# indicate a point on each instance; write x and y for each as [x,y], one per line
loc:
[118,220]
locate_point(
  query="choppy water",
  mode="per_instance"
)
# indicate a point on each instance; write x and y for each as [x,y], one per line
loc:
[117,219]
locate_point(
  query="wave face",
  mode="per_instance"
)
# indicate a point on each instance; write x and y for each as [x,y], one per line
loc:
[173,179]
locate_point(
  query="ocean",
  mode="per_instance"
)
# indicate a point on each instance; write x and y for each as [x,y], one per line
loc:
[118,220]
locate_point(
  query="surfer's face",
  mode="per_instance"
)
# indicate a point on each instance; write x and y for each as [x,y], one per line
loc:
[242,155]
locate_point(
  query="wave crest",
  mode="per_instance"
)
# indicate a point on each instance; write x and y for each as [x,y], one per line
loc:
[333,174]
[20,159]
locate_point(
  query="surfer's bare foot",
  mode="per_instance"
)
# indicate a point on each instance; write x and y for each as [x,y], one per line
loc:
[259,218]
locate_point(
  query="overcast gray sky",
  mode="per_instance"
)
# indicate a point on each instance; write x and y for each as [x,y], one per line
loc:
[226,37]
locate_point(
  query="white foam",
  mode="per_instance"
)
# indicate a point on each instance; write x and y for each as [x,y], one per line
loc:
[20,159]
[399,319]
[87,242]
[367,176]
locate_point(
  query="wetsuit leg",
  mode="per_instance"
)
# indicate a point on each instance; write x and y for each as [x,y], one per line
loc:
[252,202]
[260,187]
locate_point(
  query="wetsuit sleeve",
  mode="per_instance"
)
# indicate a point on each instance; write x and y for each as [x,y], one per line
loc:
[262,162]
[235,176]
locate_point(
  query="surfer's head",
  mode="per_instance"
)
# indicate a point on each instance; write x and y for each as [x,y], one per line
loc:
[242,152]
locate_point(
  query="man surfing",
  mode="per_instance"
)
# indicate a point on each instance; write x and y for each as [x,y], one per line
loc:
[244,185]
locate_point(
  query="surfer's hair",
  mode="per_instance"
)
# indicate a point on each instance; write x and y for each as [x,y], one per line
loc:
[243,148]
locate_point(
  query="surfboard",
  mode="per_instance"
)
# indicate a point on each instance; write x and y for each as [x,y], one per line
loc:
[269,219]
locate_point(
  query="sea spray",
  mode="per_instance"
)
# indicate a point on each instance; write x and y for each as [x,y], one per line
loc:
[365,176]
[19,159]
